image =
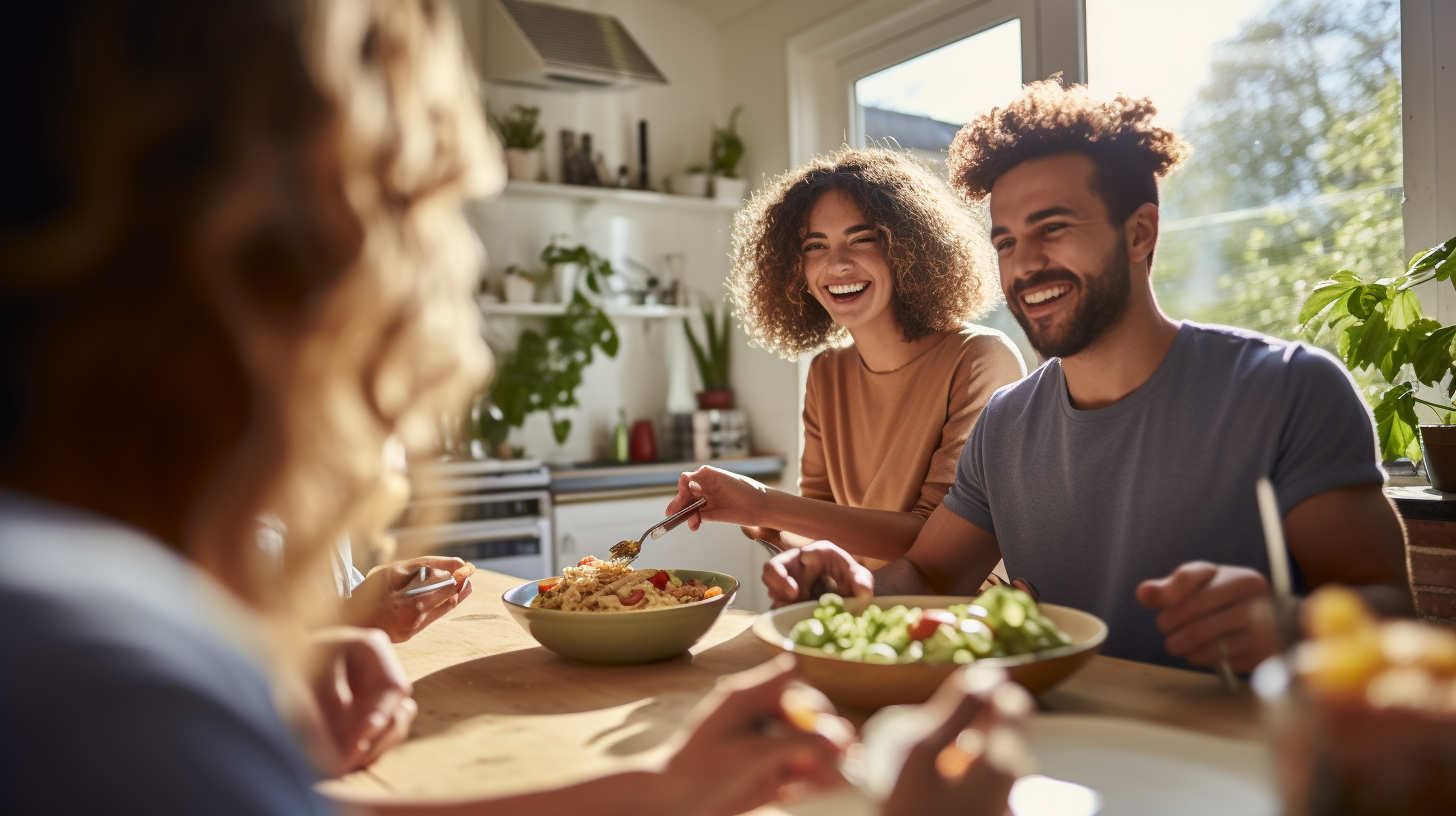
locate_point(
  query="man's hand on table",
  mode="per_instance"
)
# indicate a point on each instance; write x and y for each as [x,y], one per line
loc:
[788,575]
[362,693]
[731,498]
[1201,603]
[379,601]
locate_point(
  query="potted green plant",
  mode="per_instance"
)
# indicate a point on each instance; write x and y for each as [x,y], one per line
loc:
[571,264]
[521,136]
[545,369]
[519,286]
[1379,327]
[712,358]
[726,153]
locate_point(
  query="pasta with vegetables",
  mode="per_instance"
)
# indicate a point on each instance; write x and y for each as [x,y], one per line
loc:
[602,586]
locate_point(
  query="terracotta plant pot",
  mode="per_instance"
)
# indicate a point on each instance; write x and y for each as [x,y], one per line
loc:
[718,399]
[1438,447]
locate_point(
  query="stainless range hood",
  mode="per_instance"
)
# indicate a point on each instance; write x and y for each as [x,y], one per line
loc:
[554,47]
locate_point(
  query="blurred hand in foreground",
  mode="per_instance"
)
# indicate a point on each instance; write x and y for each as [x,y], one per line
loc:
[741,748]
[969,762]
[380,601]
[789,575]
[362,693]
[1201,604]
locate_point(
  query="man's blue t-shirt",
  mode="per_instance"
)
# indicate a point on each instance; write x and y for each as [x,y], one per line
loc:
[1087,504]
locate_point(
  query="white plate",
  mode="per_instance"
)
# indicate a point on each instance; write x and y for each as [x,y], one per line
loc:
[1140,769]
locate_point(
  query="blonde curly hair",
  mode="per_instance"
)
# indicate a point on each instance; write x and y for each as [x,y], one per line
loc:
[399,341]
[234,230]
[934,245]
[1130,152]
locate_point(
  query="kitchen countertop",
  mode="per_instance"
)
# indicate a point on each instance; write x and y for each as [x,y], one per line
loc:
[592,477]
[501,715]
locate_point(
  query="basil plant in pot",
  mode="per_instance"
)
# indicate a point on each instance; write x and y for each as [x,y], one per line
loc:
[521,137]
[1380,328]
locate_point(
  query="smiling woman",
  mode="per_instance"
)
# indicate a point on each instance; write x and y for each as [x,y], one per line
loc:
[866,257]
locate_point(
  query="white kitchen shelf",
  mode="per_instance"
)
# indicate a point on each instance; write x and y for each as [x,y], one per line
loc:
[612,310]
[591,195]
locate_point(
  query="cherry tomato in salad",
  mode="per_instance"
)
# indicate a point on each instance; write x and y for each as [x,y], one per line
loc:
[547,585]
[590,559]
[634,598]
[659,580]
[929,621]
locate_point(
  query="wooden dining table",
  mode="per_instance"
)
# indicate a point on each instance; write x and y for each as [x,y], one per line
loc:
[499,714]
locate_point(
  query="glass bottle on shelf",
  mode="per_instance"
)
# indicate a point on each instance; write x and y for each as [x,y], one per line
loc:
[621,451]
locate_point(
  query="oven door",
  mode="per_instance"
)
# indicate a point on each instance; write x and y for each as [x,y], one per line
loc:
[515,546]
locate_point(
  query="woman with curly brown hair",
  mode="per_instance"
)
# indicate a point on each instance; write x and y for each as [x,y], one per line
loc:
[867,256]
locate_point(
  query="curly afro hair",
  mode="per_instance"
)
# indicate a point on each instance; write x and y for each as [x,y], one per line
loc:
[1118,135]
[935,248]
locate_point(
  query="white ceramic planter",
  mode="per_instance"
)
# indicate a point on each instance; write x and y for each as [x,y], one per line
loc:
[519,290]
[523,165]
[730,190]
[690,184]
[566,277]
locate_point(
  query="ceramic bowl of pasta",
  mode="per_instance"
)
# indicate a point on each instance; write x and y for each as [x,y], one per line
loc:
[900,648]
[597,612]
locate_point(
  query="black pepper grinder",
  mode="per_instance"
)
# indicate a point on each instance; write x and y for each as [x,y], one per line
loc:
[642,154]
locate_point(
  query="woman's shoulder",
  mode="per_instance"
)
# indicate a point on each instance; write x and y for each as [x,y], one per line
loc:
[984,349]
[834,358]
[140,657]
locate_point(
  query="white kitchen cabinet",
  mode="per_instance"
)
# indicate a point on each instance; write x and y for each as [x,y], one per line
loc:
[592,527]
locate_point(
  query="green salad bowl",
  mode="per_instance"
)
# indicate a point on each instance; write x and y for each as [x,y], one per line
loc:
[622,638]
[871,686]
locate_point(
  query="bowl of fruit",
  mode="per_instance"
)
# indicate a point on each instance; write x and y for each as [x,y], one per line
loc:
[900,648]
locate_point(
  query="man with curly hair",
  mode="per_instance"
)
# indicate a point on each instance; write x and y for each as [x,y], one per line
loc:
[1119,477]
[867,253]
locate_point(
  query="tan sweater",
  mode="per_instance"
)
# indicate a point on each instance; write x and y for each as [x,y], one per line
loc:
[890,440]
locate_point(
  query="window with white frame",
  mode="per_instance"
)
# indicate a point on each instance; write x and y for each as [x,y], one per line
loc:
[919,104]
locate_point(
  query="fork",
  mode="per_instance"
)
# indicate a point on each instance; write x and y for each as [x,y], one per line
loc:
[625,552]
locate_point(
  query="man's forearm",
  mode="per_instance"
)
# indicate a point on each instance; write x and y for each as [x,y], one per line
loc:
[900,577]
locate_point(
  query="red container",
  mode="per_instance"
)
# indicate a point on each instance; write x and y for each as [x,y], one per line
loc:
[643,441]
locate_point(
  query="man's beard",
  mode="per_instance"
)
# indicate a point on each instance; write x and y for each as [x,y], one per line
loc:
[1103,300]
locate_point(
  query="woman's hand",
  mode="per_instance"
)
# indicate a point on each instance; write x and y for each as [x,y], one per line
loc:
[732,499]
[362,693]
[379,601]
[969,762]
[741,752]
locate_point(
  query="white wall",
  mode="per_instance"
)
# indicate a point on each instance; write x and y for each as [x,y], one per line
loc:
[709,70]
[515,228]
[752,53]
